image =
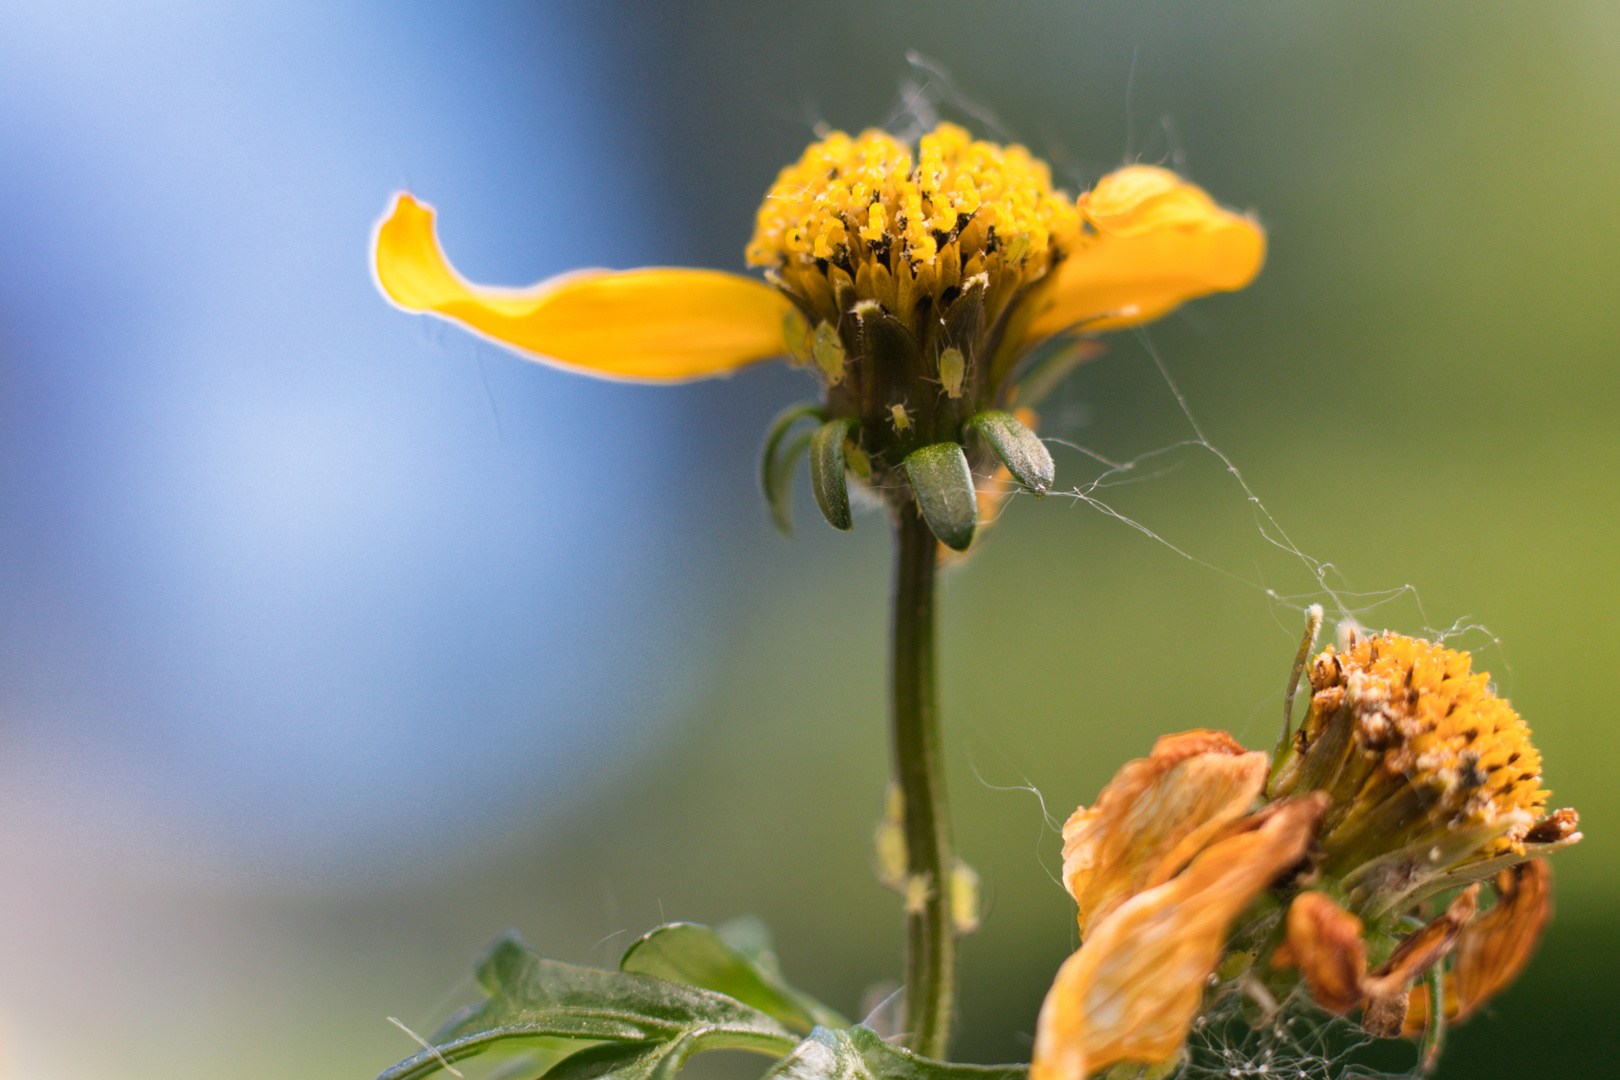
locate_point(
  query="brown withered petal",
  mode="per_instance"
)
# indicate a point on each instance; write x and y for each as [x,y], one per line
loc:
[1555,828]
[1133,988]
[1494,948]
[1424,948]
[1324,941]
[1154,816]
[1389,989]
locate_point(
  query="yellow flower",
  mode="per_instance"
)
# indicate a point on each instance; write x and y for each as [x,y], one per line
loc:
[1198,878]
[914,281]
[1138,245]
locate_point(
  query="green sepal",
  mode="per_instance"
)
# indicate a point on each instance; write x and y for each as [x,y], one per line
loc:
[777,462]
[535,1000]
[964,318]
[827,467]
[886,341]
[859,1054]
[1019,448]
[940,476]
[735,960]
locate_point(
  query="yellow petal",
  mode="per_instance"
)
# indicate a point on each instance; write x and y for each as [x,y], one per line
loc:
[1154,815]
[1132,990]
[1150,241]
[651,324]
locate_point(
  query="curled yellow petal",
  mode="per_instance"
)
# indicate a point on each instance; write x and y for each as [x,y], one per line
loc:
[652,324]
[1133,988]
[1155,815]
[1149,241]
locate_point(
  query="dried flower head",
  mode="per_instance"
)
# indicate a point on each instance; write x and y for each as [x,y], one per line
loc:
[1434,780]
[1198,880]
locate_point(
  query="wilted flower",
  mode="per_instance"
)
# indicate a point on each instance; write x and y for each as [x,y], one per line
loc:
[920,284]
[1204,871]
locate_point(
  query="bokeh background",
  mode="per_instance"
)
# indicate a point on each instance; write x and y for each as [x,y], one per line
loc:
[334,640]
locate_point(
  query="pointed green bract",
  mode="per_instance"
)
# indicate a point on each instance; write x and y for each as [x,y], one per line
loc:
[534,999]
[940,476]
[827,468]
[698,956]
[780,458]
[1019,448]
[858,1054]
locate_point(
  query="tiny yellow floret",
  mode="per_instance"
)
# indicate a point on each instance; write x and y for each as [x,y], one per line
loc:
[865,214]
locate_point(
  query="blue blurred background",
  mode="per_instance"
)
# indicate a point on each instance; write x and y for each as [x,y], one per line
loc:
[335,640]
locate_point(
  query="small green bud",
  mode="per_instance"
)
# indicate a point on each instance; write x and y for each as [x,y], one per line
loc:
[828,464]
[1019,448]
[940,476]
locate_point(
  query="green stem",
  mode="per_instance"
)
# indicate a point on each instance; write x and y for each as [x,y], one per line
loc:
[930,938]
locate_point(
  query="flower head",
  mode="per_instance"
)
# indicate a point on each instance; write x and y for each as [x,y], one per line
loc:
[1433,777]
[1198,878]
[914,281]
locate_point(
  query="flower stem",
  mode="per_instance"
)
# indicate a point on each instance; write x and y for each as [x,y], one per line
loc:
[930,970]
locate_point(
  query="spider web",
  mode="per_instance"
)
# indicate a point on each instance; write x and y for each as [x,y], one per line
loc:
[1109,491]
[1298,1043]
[928,92]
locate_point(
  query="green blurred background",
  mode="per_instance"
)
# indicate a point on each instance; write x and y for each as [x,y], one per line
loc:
[1422,388]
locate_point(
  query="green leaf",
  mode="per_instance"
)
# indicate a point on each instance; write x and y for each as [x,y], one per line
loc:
[650,1060]
[698,956]
[534,999]
[827,467]
[940,476]
[1019,448]
[777,462]
[858,1054]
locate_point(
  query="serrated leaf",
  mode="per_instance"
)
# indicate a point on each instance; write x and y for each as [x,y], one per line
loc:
[858,1054]
[777,462]
[1019,448]
[940,476]
[534,998]
[698,956]
[827,471]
